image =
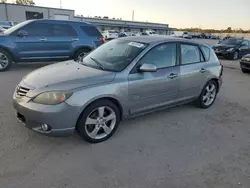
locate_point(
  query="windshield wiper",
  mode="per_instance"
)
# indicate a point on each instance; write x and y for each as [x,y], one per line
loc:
[97,62]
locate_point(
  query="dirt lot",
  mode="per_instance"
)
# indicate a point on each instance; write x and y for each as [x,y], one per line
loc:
[179,147]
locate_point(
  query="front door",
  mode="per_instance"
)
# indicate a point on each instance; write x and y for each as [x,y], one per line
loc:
[192,72]
[34,45]
[149,90]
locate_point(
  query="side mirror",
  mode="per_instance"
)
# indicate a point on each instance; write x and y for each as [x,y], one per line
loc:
[22,33]
[148,68]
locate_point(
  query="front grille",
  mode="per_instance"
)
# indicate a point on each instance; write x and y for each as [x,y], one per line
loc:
[246,64]
[22,91]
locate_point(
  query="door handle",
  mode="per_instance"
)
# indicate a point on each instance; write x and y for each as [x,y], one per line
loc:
[43,39]
[75,39]
[172,75]
[203,70]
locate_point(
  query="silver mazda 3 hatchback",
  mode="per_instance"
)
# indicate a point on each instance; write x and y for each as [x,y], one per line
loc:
[122,78]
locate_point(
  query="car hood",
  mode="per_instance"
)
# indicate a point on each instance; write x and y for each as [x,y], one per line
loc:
[67,75]
[246,56]
[223,46]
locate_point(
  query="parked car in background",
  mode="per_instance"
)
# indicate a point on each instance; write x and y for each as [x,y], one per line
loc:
[213,36]
[245,63]
[7,24]
[122,78]
[126,34]
[2,29]
[151,33]
[232,48]
[110,34]
[144,34]
[186,35]
[47,40]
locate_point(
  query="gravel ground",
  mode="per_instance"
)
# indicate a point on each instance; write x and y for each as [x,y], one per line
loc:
[179,147]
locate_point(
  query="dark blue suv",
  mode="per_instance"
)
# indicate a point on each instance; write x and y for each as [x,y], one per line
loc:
[47,40]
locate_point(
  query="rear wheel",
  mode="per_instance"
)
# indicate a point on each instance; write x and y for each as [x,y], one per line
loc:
[80,54]
[6,60]
[208,95]
[99,121]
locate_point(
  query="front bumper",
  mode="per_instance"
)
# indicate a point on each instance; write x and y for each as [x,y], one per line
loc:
[224,54]
[245,65]
[60,118]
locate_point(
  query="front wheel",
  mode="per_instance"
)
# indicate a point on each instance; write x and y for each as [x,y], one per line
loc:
[5,60]
[235,55]
[208,95]
[80,54]
[99,121]
[244,70]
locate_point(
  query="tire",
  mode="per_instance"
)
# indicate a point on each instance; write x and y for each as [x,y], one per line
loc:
[201,102]
[244,70]
[102,128]
[235,55]
[6,60]
[80,54]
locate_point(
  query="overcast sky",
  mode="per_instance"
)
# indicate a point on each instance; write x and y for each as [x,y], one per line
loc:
[178,13]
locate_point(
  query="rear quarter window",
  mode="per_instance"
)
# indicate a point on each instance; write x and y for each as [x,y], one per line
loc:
[91,31]
[206,52]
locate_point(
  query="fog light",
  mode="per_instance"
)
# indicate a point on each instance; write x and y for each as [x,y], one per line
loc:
[45,127]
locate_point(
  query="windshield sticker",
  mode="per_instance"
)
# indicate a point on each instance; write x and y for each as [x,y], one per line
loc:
[136,44]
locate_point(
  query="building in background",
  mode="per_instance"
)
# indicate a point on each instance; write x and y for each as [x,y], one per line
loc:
[20,13]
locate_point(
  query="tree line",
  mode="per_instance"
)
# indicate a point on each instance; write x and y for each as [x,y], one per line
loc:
[228,30]
[24,2]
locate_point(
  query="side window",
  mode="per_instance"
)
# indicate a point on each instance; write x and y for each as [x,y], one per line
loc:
[206,52]
[38,29]
[162,56]
[90,31]
[190,54]
[63,30]
[245,42]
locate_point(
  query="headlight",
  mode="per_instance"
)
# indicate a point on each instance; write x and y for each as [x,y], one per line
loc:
[246,59]
[230,49]
[52,98]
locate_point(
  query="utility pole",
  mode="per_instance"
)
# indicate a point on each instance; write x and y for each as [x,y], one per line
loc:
[133,15]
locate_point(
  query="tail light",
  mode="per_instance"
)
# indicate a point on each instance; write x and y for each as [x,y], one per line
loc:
[102,40]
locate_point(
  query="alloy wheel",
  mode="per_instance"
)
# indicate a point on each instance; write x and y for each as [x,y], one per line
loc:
[100,122]
[80,57]
[236,55]
[209,94]
[4,61]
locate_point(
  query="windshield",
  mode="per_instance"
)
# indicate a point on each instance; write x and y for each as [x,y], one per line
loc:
[16,27]
[114,56]
[111,31]
[231,41]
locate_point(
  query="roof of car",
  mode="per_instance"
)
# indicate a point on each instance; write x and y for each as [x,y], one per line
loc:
[60,21]
[157,39]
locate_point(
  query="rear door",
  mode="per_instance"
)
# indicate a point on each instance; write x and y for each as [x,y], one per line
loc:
[193,71]
[62,41]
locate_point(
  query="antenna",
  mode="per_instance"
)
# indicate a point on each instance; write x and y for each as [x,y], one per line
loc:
[133,15]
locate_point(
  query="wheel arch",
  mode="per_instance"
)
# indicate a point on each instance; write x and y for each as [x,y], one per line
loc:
[87,48]
[109,98]
[9,51]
